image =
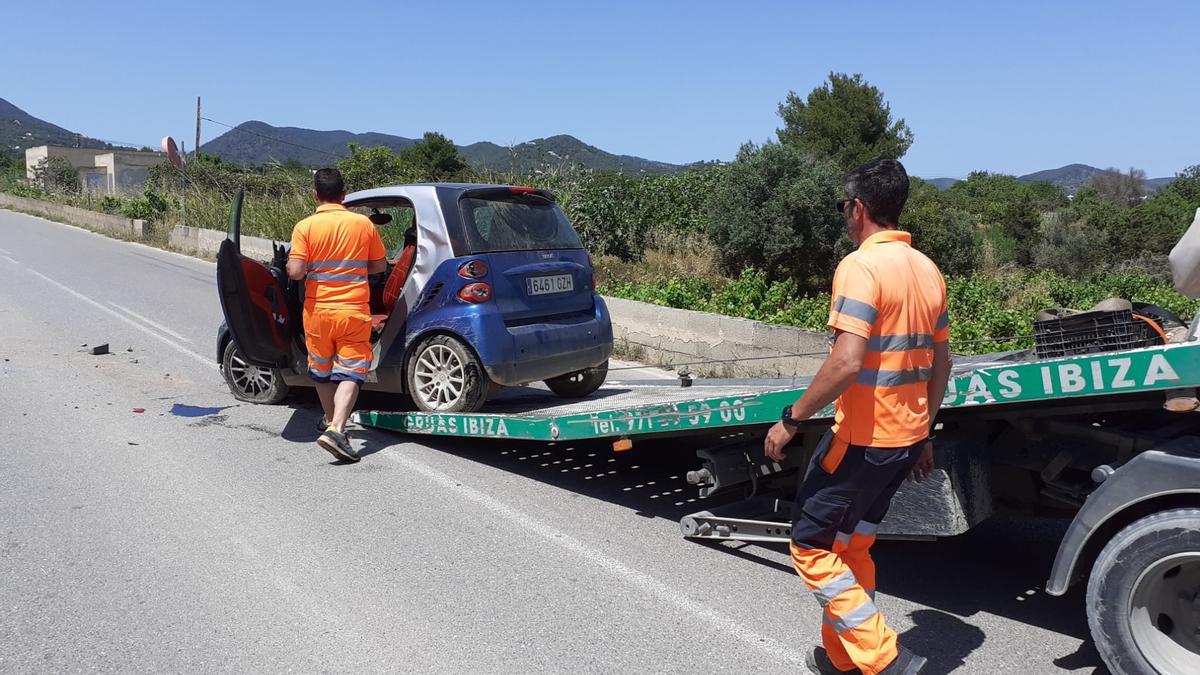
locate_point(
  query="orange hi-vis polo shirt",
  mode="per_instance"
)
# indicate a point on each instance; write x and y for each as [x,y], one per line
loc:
[895,297]
[338,244]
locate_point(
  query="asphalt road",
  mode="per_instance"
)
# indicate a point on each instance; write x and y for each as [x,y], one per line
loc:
[228,541]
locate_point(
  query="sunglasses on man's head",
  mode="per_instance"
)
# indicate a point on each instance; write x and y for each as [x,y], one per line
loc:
[843,203]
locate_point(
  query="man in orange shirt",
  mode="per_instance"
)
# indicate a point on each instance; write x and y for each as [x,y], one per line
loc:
[887,372]
[336,250]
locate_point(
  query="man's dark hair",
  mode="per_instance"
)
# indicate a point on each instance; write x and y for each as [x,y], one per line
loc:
[881,184]
[329,185]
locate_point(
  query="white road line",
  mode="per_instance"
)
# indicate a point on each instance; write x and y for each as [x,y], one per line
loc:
[157,325]
[211,363]
[644,581]
[11,260]
[5,251]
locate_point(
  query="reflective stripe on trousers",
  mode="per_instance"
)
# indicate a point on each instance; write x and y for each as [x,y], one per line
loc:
[853,631]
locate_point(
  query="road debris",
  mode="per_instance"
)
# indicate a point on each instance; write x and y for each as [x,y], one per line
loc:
[98,350]
[139,410]
[181,410]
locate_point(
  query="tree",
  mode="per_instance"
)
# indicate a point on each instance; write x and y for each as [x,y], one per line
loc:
[773,209]
[1071,248]
[1120,188]
[992,196]
[374,167]
[946,235]
[845,120]
[1021,222]
[435,157]
[56,174]
[1186,185]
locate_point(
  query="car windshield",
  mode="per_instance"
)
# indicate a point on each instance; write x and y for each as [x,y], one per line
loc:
[516,223]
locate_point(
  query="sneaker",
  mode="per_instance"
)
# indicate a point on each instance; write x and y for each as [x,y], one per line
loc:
[906,663]
[819,663]
[322,424]
[337,444]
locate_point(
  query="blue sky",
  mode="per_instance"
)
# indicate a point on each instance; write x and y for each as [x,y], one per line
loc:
[1012,87]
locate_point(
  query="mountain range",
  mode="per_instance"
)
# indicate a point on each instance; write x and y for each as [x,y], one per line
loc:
[20,130]
[1070,178]
[256,142]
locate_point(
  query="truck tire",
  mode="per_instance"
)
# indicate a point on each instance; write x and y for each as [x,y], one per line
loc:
[1143,597]
[445,376]
[580,384]
[251,384]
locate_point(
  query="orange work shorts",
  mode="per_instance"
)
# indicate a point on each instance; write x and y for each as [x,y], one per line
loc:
[339,345]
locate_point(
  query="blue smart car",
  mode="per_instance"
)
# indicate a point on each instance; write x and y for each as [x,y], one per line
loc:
[487,286]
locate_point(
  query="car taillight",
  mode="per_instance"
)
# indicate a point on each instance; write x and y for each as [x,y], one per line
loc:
[592,267]
[522,190]
[475,293]
[473,269]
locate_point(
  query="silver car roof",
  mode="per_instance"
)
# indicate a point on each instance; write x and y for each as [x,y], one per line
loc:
[408,190]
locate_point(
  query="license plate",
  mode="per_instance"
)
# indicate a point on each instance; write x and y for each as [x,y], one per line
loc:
[559,283]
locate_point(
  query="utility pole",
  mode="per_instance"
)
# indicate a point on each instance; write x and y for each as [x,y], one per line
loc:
[196,147]
[183,186]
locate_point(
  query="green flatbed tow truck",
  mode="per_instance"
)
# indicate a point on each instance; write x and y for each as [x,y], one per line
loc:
[1110,439]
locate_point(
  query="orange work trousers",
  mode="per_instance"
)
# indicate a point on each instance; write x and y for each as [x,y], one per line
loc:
[339,344]
[844,496]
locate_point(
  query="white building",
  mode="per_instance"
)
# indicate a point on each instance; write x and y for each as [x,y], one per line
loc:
[100,171]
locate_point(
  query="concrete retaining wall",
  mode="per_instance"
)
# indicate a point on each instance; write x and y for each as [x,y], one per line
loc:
[662,335]
[202,242]
[76,216]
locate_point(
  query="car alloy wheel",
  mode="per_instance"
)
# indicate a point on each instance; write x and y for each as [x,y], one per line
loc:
[251,383]
[440,377]
[445,375]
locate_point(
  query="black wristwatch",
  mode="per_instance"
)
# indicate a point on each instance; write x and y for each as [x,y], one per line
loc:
[786,418]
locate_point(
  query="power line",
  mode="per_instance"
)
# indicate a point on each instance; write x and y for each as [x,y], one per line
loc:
[272,138]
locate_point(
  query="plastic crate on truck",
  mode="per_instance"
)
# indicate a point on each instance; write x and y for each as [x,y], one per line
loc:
[1089,333]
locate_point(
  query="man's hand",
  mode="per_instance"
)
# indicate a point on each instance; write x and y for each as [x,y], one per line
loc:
[779,436]
[924,465]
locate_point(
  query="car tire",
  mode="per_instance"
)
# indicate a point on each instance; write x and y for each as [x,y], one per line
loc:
[1141,595]
[445,376]
[579,384]
[252,384]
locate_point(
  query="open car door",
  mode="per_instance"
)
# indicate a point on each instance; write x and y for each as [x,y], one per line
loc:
[254,301]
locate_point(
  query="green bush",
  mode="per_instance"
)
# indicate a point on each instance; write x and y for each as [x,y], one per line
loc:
[151,206]
[773,210]
[987,313]
[1073,249]
[945,234]
[56,175]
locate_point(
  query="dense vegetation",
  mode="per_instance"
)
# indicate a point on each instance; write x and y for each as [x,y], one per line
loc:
[759,237]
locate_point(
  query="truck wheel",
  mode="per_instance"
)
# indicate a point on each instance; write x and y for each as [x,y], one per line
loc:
[445,376]
[1143,597]
[580,384]
[251,383]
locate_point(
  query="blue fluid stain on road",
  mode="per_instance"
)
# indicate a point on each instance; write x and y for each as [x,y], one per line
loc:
[181,410]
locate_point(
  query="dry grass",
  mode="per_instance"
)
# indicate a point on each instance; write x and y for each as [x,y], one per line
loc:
[670,254]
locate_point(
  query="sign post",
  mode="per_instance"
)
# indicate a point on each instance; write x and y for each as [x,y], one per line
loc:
[176,159]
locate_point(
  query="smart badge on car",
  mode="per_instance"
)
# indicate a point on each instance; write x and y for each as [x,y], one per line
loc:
[559,283]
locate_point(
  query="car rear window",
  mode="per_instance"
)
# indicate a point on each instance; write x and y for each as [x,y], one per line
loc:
[517,223]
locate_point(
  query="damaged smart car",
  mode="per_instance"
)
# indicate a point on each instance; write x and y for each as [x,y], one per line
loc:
[487,286]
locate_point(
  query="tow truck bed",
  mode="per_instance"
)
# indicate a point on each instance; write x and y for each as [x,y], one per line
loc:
[631,410]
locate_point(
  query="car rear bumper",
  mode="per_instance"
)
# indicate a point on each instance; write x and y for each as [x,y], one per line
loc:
[541,351]
[533,370]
